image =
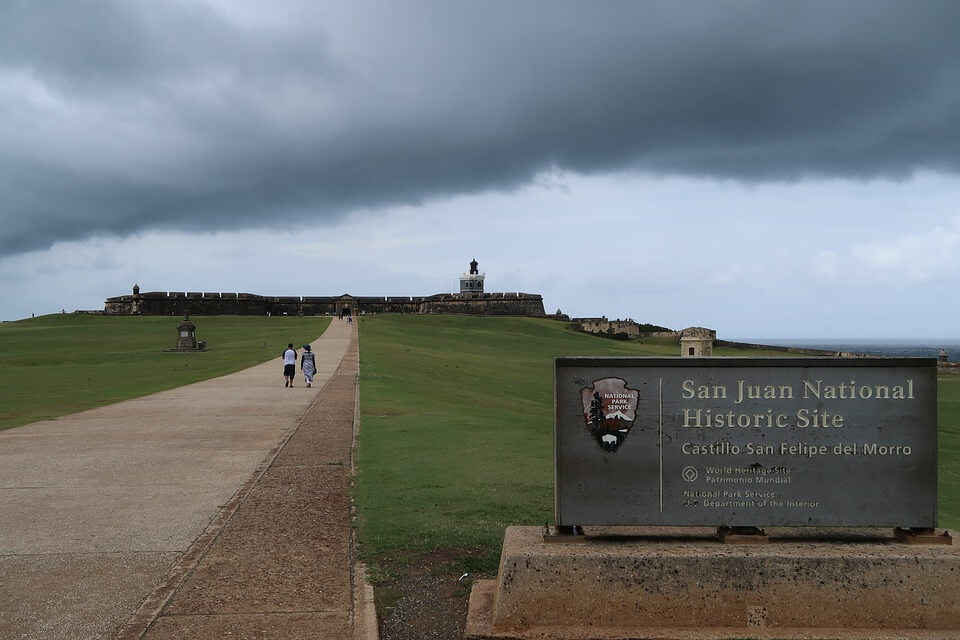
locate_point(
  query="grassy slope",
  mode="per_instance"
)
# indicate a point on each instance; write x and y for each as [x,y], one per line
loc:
[456,438]
[457,426]
[59,364]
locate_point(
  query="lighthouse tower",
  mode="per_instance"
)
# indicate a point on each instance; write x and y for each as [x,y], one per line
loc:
[471,284]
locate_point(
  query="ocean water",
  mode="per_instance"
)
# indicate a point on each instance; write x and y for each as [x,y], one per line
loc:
[891,348]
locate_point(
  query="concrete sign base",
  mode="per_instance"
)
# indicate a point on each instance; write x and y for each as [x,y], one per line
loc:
[681,583]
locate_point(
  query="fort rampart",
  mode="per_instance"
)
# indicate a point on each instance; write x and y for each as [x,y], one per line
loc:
[797,350]
[162,303]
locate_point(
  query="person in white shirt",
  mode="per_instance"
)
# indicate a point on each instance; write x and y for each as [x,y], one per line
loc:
[289,365]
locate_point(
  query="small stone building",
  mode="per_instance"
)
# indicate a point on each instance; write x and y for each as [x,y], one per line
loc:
[696,342]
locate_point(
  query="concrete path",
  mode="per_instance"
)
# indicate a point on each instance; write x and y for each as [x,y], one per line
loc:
[97,507]
[278,565]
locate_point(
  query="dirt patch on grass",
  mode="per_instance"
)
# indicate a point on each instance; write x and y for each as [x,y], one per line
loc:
[426,598]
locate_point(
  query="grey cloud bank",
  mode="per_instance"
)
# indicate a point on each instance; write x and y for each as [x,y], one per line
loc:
[120,117]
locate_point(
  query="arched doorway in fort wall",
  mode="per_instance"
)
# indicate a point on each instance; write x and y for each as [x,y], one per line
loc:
[346,305]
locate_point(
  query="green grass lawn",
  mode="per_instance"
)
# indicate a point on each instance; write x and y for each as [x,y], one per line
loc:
[457,427]
[58,364]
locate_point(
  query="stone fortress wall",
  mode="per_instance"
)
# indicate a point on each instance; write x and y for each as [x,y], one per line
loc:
[797,350]
[471,300]
[162,303]
[620,329]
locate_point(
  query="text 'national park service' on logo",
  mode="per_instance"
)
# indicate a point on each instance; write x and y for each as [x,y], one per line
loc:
[609,408]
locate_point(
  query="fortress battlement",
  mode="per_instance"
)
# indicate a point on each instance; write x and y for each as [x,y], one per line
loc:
[471,301]
[173,303]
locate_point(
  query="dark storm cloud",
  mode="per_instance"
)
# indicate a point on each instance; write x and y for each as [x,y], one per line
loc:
[122,116]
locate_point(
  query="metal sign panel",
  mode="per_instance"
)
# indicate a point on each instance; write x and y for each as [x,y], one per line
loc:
[746,441]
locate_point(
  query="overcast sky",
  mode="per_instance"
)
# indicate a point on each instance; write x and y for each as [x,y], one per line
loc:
[768,169]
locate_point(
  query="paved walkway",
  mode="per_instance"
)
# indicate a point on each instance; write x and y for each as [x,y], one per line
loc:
[102,510]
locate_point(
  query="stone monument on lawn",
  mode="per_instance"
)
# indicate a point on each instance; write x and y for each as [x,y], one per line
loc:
[187,336]
[722,498]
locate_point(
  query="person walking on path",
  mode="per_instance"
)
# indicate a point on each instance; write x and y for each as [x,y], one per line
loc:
[308,365]
[289,365]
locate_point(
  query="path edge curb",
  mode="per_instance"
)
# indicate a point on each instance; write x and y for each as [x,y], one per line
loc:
[153,605]
[365,623]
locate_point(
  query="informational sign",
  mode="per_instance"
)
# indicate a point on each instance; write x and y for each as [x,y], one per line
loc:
[746,441]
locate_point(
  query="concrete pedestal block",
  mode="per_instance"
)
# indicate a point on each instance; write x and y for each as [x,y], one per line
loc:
[660,583]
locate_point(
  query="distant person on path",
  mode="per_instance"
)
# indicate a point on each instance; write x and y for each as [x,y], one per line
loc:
[289,365]
[308,364]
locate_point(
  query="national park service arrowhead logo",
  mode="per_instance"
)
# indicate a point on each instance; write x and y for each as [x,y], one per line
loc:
[609,408]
